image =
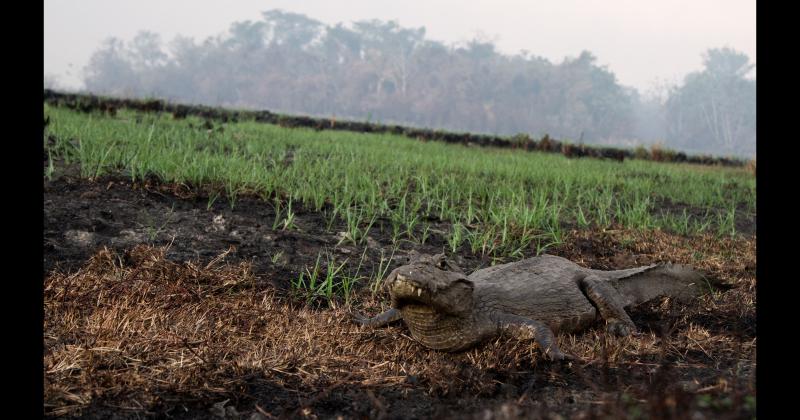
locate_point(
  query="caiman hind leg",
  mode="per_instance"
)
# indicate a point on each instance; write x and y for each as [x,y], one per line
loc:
[529,329]
[379,320]
[609,303]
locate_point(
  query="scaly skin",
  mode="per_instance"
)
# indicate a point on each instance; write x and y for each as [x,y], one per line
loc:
[533,298]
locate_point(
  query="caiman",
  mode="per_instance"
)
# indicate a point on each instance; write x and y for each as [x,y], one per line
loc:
[531,299]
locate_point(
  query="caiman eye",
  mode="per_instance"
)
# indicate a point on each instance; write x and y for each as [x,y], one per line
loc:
[466,282]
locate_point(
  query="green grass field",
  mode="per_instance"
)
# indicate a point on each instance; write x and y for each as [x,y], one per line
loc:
[496,201]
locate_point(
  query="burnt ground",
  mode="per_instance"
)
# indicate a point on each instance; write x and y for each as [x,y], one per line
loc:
[81,217]
[157,304]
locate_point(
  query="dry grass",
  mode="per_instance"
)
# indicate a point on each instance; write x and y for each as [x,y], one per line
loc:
[751,166]
[141,333]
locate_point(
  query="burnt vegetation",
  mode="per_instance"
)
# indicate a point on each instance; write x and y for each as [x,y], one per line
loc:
[199,322]
[89,103]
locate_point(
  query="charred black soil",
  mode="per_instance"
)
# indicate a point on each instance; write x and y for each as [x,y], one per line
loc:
[160,302]
[81,217]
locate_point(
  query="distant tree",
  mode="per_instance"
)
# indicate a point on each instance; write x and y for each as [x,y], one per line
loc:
[649,119]
[110,71]
[146,51]
[291,30]
[715,109]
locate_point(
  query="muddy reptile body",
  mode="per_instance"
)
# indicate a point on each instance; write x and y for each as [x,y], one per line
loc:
[533,298]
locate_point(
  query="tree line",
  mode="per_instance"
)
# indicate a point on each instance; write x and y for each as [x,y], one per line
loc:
[381,72]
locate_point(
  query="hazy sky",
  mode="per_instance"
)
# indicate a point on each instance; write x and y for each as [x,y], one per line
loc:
[641,41]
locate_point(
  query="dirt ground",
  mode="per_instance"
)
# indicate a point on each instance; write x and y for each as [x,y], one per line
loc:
[157,304]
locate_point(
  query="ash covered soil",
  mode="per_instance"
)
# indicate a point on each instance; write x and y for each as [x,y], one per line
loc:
[162,302]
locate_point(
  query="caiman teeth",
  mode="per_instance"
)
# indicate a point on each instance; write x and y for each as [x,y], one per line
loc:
[419,292]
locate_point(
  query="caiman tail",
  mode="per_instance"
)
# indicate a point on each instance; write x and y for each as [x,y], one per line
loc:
[639,285]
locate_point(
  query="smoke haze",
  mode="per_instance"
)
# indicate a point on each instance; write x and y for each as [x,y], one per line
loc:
[390,72]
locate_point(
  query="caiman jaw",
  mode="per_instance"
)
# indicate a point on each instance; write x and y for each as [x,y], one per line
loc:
[430,323]
[435,304]
[407,289]
[444,292]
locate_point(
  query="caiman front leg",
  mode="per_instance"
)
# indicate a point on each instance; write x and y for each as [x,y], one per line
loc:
[379,320]
[526,328]
[609,304]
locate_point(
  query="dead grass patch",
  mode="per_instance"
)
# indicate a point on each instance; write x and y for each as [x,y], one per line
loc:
[135,331]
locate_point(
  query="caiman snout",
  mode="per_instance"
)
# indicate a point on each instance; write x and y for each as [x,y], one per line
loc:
[407,288]
[448,291]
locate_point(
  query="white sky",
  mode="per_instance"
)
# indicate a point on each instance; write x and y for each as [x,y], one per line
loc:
[642,41]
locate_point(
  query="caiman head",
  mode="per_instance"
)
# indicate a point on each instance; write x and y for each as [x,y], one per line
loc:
[436,304]
[425,283]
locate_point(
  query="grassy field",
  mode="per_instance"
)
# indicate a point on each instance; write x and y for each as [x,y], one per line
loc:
[154,314]
[497,201]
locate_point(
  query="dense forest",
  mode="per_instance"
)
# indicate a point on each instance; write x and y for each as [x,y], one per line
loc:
[382,72]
